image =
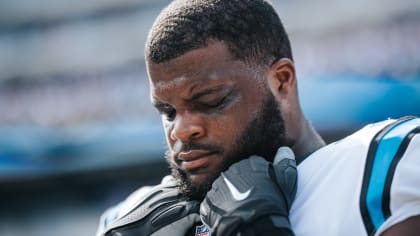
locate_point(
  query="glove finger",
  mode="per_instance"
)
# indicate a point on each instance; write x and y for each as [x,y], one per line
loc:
[286,176]
[286,172]
[283,153]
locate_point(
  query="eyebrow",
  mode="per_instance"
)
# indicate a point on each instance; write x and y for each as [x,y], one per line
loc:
[157,104]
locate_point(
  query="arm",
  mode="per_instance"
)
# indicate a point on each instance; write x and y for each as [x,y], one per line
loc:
[409,227]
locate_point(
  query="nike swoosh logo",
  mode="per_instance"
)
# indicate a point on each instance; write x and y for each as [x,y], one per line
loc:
[236,194]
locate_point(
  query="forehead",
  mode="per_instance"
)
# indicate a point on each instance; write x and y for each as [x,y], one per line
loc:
[211,63]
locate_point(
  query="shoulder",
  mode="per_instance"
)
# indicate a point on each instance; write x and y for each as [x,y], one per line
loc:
[374,172]
[352,148]
[389,191]
[361,141]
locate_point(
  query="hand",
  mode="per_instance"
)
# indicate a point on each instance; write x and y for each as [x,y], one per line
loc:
[252,197]
[161,211]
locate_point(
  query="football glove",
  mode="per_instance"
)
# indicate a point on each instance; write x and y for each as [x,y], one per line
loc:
[161,211]
[252,197]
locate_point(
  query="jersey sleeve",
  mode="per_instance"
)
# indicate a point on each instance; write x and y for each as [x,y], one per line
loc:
[404,189]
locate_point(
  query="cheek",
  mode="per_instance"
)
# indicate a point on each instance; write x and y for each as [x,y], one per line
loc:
[227,129]
[234,120]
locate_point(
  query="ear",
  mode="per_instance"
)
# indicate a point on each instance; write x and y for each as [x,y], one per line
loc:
[282,78]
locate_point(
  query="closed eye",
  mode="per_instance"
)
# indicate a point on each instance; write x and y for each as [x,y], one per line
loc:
[166,110]
[215,103]
[211,98]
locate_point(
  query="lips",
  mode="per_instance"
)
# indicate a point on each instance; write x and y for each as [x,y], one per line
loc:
[194,160]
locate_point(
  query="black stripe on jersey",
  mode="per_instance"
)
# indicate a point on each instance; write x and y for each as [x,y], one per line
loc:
[373,146]
[401,150]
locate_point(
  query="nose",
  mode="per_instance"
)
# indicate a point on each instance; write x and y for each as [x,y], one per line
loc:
[187,127]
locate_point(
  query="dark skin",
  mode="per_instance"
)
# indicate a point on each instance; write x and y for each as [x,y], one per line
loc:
[409,227]
[207,97]
[207,106]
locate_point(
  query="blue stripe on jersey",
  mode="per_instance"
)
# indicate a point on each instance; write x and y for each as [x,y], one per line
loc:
[385,153]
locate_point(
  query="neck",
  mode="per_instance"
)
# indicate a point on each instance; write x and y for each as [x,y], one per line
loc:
[307,142]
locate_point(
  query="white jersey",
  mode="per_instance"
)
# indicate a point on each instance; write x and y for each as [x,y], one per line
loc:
[360,185]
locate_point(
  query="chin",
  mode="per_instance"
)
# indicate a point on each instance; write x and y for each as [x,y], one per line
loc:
[198,179]
[194,186]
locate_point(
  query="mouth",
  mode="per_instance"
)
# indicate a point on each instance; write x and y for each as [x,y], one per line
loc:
[194,160]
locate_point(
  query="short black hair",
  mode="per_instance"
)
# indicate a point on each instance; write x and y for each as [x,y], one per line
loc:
[251,29]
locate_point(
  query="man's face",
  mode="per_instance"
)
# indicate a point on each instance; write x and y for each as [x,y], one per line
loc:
[215,111]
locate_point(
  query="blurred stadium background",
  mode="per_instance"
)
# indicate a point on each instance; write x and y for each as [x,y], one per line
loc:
[77,132]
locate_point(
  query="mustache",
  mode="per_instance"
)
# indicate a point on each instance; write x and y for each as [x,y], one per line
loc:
[179,147]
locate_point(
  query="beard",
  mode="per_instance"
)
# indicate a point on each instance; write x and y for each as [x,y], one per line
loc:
[262,137]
